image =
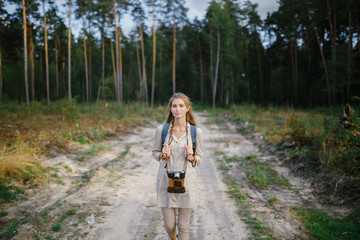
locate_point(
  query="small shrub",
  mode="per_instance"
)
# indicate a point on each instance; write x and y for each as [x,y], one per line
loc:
[83,140]
[9,193]
[56,227]
[71,212]
[272,200]
[10,231]
[339,145]
[3,213]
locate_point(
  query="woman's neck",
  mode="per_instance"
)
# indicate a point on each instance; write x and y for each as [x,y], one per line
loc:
[179,123]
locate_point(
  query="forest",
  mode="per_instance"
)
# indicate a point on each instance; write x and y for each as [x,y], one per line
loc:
[304,54]
[278,100]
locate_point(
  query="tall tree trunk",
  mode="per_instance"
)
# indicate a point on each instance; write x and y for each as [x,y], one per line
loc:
[63,74]
[113,59]
[139,67]
[321,53]
[86,64]
[201,71]
[129,78]
[216,69]
[56,69]
[1,81]
[154,56]
[46,57]
[102,63]
[174,58]
[357,33]
[118,100]
[211,59]
[332,26]
[90,68]
[261,81]
[31,53]
[296,75]
[69,52]
[25,56]
[145,99]
[120,63]
[247,69]
[293,67]
[349,57]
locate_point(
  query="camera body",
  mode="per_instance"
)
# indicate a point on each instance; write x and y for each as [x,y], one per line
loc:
[176,181]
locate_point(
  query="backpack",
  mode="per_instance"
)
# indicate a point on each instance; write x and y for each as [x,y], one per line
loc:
[193,129]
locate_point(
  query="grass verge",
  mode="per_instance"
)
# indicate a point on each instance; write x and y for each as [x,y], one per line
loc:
[321,226]
[330,135]
[259,231]
[26,132]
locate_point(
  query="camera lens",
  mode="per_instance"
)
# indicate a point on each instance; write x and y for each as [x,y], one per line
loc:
[177,175]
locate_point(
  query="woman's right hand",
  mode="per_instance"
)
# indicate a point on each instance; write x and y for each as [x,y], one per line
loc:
[166,150]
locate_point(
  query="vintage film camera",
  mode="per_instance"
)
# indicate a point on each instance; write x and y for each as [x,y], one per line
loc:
[176,181]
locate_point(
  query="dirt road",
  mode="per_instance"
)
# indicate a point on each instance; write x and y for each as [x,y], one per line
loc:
[115,182]
[134,214]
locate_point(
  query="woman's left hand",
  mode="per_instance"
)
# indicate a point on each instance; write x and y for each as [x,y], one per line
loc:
[189,152]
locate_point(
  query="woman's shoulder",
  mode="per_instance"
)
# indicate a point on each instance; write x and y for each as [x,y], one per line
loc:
[198,130]
[160,127]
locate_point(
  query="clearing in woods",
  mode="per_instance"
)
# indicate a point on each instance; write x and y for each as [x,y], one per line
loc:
[115,182]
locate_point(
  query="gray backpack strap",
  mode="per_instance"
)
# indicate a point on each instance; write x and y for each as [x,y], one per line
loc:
[193,136]
[164,132]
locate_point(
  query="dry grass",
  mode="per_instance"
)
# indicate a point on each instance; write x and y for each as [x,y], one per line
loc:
[29,131]
[18,161]
[278,123]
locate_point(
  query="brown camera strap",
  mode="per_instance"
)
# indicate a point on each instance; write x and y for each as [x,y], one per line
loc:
[170,141]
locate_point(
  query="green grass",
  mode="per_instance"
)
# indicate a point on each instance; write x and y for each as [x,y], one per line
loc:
[321,226]
[36,133]
[56,227]
[262,175]
[10,231]
[244,209]
[3,213]
[272,200]
[9,193]
[258,173]
[317,132]
[96,149]
[87,177]
[243,204]
[60,181]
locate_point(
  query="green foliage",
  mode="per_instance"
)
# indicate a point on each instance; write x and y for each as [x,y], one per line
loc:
[321,226]
[3,213]
[10,231]
[82,140]
[71,212]
[317,132]
[96,149]
[9,193]
[261,174]
[60,181]
[272,200]
[56,227]
[339,143]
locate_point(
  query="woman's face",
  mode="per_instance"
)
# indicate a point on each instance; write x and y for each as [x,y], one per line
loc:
[178,108]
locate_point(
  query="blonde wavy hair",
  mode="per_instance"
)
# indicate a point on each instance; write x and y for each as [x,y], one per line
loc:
[189,115]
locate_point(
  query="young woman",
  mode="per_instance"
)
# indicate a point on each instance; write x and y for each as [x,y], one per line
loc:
[177,152]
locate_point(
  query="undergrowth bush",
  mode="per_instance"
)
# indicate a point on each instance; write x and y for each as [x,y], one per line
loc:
[340,143]
[318,132]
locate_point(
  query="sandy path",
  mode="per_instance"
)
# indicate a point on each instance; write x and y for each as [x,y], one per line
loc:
[117,186]
[134,214]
